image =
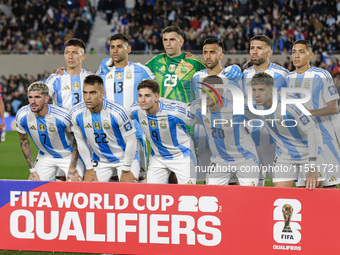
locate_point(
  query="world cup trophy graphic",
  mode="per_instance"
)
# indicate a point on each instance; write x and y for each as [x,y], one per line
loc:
[287,211]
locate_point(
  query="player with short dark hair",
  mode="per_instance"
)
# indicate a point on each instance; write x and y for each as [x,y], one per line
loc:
[212,55]
[108,129]
[322,105]
[263,38]
[65,89]
[260,51]
[162,121]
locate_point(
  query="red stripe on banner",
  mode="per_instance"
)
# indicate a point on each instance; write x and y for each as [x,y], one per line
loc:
[169,219]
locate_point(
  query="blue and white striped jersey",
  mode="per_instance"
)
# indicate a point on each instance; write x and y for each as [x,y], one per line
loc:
[165,130]
[227,136]
[279,74]
[290,133]
[51,133]
[105,131]
[120,84]
[321,86]
[200,75]
[66,90]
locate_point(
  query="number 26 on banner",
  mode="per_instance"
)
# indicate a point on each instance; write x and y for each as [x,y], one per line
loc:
[193,204]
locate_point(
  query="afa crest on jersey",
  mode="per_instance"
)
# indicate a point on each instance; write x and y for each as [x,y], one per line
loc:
[268,117]
[172,68]
[97,125]
[75,85]
[119,75]
[153,123]
[42,127]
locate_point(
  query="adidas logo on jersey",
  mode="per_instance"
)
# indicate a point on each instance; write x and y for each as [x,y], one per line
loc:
[88,125]
[32,127]
[66,88]
[109,77]
[162,69]
[143,123]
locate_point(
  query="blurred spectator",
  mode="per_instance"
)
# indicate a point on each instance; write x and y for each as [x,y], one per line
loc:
[33,26]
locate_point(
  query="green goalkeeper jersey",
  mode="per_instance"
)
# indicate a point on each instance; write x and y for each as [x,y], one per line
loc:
[174,75]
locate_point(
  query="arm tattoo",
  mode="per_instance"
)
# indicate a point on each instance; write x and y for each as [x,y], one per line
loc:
[75,155]
[26,149]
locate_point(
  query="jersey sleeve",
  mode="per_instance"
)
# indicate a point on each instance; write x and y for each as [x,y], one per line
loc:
[196,85]
[330,92]
[50,84]
[199,64]
[280,81]
[195,110]
[147,73]
[183,114]
[104,66]
[81,142]
[20,124]
[124,122]
[150,65]
[304,122]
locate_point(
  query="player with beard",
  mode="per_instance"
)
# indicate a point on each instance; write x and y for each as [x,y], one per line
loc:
[260,52]
[50,129]
[212,55]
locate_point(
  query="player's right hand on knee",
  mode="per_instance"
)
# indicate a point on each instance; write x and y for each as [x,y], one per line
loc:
[74,176]
[128,177]
[90,176]
[34,177]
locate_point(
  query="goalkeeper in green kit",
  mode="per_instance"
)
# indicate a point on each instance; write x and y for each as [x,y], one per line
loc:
[173,70]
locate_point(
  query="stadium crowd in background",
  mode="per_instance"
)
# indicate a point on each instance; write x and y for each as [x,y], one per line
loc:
[42,27]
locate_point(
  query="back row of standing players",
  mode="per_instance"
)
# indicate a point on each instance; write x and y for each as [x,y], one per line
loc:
[178,77]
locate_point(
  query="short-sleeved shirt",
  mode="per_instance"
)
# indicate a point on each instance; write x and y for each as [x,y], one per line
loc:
[51,133]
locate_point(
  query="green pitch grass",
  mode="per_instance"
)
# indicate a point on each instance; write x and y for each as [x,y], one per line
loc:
[13,164]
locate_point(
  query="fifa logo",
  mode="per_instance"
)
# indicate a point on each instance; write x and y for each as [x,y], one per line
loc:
[287,214]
